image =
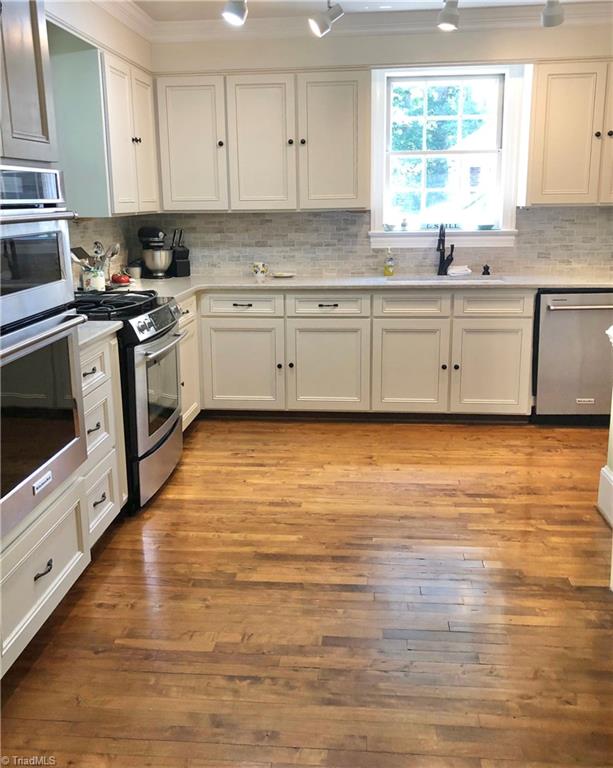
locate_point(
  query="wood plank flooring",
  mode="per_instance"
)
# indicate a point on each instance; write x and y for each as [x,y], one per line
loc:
[344,596]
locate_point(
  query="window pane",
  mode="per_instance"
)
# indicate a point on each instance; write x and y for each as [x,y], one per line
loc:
[441,134]
[443,99]
[406,172]
[405,203]
[437,172]
[407,137]
[481,96]
[408,100]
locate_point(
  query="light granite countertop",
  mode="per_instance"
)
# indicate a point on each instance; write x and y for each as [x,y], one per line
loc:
[95,330]
[183,287]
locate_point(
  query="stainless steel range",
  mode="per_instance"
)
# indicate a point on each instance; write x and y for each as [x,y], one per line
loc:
[151,387]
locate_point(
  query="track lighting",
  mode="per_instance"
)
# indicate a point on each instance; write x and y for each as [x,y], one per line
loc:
[235,12]
[449,17]
[553,14]
[322,23]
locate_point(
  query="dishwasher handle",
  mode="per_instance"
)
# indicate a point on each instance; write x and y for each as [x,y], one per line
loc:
[573,307]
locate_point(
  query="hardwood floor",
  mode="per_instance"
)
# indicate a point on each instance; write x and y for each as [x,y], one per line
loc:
[339,595]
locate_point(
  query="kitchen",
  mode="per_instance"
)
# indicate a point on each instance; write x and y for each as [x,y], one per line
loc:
[306,383]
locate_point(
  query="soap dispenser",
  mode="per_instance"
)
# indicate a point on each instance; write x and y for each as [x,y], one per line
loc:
[389,264]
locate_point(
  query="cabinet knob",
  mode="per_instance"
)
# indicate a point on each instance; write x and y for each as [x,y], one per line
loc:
[456,367]
[279,365]
[609,133]
[303,141]
[220,143]
[444,366]
[290,141]
[290,365]
[598,134]
[133,139]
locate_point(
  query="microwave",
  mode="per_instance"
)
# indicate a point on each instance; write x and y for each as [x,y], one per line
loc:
[35,262]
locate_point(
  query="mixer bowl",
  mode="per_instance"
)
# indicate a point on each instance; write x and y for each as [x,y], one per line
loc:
[157,261]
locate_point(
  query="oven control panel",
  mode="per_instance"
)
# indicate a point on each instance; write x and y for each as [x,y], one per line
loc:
[156,321]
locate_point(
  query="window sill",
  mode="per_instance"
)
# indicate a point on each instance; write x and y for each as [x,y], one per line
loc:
[500,238]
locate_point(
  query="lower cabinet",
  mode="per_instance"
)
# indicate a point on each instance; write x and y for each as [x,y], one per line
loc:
[328,364]
[491,362]
[190,373]
[242,360]
[410,365]
[103,496]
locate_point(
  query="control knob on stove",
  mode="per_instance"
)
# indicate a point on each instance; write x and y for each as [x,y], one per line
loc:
[141,326]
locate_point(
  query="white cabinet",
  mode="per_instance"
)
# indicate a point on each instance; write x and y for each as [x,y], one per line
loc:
[568,133]
[192,119]
[189,356]
[242,359]
[262,141]
[328,362]
[606,165]
[491,362]
[131,137]
[334,139]
[410,365]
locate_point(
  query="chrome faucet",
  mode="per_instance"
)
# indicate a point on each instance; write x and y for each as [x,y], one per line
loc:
[444,262]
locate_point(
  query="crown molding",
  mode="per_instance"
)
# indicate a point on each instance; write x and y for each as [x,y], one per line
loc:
[352,24]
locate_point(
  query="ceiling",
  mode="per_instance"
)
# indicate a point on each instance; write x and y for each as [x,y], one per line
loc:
[201,10]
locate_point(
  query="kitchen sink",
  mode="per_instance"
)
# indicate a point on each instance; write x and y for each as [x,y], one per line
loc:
[446,280]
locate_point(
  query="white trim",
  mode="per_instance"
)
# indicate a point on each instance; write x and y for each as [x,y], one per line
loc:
[605,495]
[503,238]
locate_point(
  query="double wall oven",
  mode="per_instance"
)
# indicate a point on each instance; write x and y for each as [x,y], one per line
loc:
[41,437]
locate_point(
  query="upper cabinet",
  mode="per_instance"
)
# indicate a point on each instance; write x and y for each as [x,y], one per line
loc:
[262,141]
[192,117]
[570,153]
[28,126]
[334,137]
[292,141]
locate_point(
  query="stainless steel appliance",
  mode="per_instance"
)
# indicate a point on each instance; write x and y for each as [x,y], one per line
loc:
[151,386]
[156,257]
[573,362]
[35,270]
[41,439]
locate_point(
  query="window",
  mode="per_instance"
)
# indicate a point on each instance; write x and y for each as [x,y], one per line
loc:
[446,151]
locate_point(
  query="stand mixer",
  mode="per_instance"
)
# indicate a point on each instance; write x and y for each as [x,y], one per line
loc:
[156,258]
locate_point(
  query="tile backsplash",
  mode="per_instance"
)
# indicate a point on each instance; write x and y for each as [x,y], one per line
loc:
[572,241]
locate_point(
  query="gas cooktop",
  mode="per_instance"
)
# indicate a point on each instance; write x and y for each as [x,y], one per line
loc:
[116,305]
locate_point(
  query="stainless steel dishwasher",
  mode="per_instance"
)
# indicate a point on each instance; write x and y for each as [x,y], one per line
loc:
[573,357]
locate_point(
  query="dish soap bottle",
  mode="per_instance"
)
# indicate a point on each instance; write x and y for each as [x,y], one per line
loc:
[389,264]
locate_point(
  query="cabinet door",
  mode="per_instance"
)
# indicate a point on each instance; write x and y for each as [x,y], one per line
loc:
[28,123]
[192,119]
[606,166]
[262,141]
[410,365]
[120,126]
[328,364]
[491,364]
[334,139]
[565,151]
[146,146]
[190,374]
[240,358]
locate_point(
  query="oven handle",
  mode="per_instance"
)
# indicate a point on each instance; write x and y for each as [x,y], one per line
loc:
[158,352]
[26,218]
[55,331]
[573,307]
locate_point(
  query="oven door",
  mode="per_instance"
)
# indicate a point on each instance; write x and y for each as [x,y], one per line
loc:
[158,389]
[41,429]
[35,268]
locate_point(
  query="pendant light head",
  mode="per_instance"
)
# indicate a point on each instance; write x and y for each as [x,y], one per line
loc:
[322,23]
[235,12]
[449,17]
[553,14]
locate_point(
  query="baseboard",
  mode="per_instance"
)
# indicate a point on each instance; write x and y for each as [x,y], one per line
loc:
[605,495]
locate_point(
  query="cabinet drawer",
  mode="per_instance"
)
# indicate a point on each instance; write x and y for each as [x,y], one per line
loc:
[242,304]
[328,304]
[412,304]
[95,366]
[102,496]
[486,303]
[189,309]
[39,568]
[99,424]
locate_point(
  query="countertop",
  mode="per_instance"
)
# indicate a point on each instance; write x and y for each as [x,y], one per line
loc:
[95,330]
[183,287]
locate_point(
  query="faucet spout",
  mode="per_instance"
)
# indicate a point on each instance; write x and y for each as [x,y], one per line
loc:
[444,262]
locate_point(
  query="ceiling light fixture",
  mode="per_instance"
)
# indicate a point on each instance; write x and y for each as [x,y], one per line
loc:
[553,14]
[449,17]
[322,23]
[235,12]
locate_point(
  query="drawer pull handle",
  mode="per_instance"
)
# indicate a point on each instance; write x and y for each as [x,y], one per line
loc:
[238,304]
[100,501]
[94,429]
[327,305]
[48,569]
[90,373]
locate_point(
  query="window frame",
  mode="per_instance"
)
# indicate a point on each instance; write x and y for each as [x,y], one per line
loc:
[514,128]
